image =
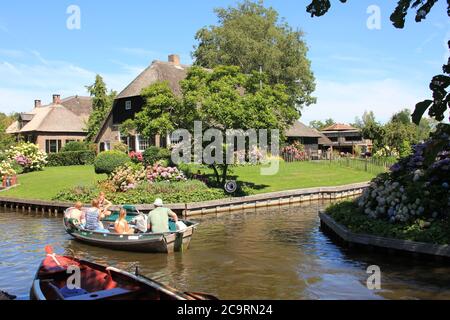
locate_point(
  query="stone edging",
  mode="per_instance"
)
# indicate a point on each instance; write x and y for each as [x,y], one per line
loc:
[411,247]
[265,200]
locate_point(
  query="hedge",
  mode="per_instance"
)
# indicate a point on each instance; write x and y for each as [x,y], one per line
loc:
[146,193]
[153,154]
[75,146]
[108,161]
[71,158]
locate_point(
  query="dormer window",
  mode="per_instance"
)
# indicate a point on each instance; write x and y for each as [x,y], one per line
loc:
[128,105]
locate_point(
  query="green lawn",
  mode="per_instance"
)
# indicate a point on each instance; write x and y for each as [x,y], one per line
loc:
[298,175]
[46,184]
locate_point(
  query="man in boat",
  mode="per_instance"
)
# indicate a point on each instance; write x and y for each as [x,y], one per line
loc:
[159,218]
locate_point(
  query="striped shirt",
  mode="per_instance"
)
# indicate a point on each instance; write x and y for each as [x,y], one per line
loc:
[92,216]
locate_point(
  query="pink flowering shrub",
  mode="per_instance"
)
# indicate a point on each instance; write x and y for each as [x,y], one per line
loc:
[28,156]
[128,177]
[136,157]
[158,173]
[294,152]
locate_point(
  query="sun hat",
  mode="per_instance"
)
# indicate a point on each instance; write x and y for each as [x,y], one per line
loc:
[158,202]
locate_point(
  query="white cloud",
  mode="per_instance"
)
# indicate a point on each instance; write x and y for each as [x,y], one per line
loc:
[345,101]
[22,83]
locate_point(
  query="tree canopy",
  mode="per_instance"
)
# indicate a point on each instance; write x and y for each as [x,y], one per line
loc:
[252,36]
[399,133]
[440,102]
[223,98]
[6,140]
[319,125]
[101,105]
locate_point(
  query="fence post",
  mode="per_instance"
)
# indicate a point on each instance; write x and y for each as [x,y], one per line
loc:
[366,164]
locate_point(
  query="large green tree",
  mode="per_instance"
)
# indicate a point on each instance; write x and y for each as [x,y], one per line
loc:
[101,106]
[440,102]
[319,125]
[252,36]
[224,99]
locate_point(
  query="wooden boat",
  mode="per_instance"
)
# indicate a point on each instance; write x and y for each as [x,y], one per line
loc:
[97,282]
[174,241]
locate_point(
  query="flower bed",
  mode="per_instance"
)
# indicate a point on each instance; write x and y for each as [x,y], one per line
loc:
[421,230]
[27,156]
[412,201]
[146,193]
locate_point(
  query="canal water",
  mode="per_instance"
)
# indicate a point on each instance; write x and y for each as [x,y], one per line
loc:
[270,254]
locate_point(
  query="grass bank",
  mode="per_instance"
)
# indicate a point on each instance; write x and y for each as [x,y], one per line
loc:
[295,175]
[45,185]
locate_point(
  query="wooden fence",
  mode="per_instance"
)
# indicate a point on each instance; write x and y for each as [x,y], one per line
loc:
[372,165]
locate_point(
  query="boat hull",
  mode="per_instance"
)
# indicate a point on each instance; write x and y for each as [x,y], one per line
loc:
[147,242]
[125,286]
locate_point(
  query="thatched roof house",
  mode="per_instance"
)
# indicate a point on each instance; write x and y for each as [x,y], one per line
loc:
[51,126]
[129,102]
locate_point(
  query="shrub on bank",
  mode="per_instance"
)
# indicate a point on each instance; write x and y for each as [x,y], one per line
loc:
[416,187]
[75,146]
[412,201]
[27,156]
[108,161]
[154,154]
[71,158]
[146,193]
[350,215]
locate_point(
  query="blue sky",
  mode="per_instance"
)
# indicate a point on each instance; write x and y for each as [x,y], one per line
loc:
[357,69]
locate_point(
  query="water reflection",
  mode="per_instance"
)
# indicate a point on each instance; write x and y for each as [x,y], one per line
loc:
[276,254]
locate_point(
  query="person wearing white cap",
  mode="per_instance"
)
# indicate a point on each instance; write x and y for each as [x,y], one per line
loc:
[159,217]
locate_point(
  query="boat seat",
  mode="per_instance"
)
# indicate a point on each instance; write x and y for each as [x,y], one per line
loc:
[100,295]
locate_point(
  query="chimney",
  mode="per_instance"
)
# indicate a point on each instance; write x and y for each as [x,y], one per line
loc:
[175,59]
[37,103]
[56,99]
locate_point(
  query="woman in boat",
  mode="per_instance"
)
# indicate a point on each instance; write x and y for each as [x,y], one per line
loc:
[104,205]
[121,225]
[77,215]
[93,217]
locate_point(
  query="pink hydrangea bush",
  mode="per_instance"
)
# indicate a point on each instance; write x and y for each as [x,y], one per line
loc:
[158,173]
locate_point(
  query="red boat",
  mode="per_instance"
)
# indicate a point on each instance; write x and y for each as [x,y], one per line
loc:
[98,282]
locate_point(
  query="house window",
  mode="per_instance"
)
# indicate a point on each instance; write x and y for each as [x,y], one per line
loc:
[143,143]
[163,141]
[52,146]
[128,105]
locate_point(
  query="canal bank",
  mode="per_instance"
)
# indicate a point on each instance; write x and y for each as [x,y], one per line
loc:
[207,208]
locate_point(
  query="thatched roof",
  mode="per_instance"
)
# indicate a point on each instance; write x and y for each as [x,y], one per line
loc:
[68,116]
[339,127]
[81,106]
[158,71]
[324,140]
[301,130]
